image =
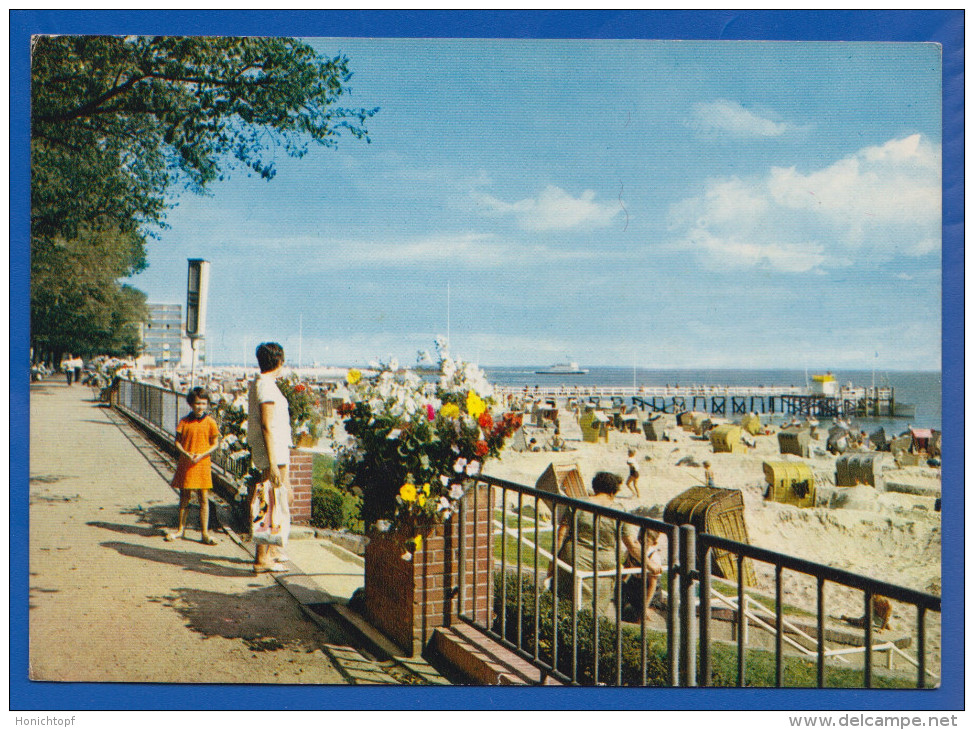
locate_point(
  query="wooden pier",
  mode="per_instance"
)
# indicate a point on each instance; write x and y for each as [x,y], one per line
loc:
[724,401]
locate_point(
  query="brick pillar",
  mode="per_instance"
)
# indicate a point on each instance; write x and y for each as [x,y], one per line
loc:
[299,473]
[407,600]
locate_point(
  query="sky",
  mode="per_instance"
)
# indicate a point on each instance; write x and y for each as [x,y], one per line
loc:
[671,204]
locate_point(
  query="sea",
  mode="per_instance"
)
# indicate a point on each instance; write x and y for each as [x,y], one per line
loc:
[920,388]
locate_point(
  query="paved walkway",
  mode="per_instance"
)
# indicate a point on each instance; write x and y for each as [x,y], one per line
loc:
[110,600]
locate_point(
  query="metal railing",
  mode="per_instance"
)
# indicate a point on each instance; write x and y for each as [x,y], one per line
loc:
[823,574]
[548,620]
[551,596]
[159,409]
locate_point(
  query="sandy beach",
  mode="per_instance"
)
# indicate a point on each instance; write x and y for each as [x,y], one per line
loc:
[887,535]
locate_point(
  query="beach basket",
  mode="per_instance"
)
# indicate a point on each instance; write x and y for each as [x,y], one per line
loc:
[790,482]
[752,424]
[726,439]
[594,429]
[900,443]
[852,469]
[653,428]
[715,511]
[563,479]
[878,439]
[704,426]
[518,441]
[934,446]
[795,441]
[691,420]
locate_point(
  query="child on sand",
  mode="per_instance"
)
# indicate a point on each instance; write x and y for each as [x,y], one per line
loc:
[708,475]
[197,436]
[633,477]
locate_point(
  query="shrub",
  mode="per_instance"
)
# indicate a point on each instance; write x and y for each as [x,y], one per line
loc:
[631,638]
[327,508]
[759,664]
[331,507]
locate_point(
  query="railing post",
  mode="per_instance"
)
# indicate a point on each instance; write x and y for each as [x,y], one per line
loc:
[688,608]
[705,637]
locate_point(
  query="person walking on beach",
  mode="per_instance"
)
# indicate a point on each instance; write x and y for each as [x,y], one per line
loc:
[708,475]
[269,436]
[197,436]
[633,478]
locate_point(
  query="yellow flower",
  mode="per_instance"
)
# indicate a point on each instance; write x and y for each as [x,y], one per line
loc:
[407,492]
[421,499]
[418,541]
[353,376]
[426,489]
[450,410]
[475,406]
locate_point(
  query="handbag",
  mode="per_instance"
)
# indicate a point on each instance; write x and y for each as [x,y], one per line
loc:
[270,517]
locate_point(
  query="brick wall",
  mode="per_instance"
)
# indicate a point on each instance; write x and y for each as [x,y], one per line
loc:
[299,473]
[408,600]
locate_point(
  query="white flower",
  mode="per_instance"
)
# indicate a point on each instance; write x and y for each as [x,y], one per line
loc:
[394,434]
[444,480]
[443,504]
[459,466]
[374,364]
[456,491]
[473,468]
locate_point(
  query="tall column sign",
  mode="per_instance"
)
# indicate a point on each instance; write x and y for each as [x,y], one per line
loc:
[197,285]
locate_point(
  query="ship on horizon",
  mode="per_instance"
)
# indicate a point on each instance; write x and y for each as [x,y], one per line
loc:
[563,368]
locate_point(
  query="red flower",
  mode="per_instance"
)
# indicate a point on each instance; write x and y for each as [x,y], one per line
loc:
[430,413]
[485,421]
[300,388]
[481,448]
[346,409]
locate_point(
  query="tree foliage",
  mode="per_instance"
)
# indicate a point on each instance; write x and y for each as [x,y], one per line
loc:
[119,123]
[77,303]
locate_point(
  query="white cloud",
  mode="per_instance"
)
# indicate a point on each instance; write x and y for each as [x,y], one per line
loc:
[553,209]
[729,116]
[460,249]
[736,253]
[880,203]
[897,182]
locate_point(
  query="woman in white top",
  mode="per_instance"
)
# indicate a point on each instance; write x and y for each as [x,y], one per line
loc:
[269,436]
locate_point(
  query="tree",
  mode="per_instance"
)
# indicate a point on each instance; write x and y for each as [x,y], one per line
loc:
[77,303]
[118,123]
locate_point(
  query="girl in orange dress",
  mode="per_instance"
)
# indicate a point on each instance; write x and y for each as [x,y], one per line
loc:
[197,436]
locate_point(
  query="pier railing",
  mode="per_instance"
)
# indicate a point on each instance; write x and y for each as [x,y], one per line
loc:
[550,605]
[718,400]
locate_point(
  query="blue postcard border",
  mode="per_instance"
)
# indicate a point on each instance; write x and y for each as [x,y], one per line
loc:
[941,26]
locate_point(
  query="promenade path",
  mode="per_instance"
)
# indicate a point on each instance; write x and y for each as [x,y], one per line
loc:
[110,600]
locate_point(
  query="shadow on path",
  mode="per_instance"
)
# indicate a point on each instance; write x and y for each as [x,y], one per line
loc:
[262,618]
[198,562]
[128,529]
[163,517]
